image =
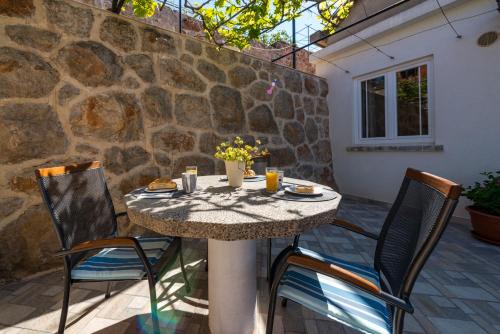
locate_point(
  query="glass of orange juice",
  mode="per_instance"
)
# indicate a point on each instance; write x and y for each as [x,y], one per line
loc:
[272,179]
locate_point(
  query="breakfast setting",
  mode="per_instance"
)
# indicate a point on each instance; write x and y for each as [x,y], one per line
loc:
[239,158]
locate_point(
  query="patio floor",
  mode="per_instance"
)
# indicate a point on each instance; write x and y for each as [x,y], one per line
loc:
[458,291]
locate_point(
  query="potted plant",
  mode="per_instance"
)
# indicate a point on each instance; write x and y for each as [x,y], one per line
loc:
[485,211]
[236,156]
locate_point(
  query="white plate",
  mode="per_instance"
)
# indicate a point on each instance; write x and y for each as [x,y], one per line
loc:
[251,177]
[159,191]
[291,189]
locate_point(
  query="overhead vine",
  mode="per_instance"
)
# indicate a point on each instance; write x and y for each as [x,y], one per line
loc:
[238,22]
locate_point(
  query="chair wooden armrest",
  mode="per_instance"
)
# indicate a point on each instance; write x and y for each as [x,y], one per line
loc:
[100,244]
[354,228]
[308,262]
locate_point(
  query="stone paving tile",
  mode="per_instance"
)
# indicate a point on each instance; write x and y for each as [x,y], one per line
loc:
[12,314]
[466,292]
[457,292]
[453,326]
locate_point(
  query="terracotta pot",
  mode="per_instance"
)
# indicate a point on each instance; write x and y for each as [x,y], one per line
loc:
[485,227]
[235,171]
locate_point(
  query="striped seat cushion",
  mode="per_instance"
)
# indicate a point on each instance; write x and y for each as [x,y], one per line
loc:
[121,263]
[336,299]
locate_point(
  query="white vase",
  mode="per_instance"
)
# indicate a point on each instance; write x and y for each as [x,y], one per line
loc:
[235,171]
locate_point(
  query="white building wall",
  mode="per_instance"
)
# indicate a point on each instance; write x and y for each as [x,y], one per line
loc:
[466,83]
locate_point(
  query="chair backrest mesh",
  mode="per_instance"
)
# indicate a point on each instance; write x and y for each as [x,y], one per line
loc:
[414,219]
[80,205]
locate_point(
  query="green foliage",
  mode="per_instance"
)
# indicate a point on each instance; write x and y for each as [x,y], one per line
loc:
[486,195]
[237,22]
[238,150]
[141,8]
[279,36]
[332,12]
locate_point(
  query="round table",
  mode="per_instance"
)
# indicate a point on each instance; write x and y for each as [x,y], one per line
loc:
[231,219]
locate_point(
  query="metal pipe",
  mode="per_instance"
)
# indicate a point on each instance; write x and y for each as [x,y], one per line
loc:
[294,45]
[180,16]
[397,4]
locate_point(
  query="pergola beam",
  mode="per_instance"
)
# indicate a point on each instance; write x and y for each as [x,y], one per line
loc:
[386,9]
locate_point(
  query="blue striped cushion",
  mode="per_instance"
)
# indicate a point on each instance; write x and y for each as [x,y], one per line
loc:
[120,263]
[336,299]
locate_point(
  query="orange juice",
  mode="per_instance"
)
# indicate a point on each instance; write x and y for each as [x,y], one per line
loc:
[272,181]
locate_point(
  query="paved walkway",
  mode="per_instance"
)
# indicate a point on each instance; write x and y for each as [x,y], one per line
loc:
[458,291]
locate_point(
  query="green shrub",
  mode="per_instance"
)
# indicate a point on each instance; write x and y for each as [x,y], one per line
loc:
[486,195]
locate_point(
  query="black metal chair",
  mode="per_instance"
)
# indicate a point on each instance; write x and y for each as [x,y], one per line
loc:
[370,299]
[85,222]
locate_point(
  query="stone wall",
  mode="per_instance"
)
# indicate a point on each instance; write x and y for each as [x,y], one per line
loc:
[169,19]
[79,83]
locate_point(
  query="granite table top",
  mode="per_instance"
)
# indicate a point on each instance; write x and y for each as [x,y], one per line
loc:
[218,211]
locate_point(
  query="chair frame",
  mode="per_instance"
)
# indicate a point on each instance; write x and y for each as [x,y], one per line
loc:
[291,255]
[153,273]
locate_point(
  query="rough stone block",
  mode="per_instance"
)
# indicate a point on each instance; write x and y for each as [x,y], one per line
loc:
[260,119]
[24,74]
[41,39]
[192,111]
[30,131]
[69,19]
[114,117]
[91,63]
[229,116]
[157,104]
[119,33]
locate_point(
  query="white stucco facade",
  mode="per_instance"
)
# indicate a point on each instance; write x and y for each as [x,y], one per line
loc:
[464,83]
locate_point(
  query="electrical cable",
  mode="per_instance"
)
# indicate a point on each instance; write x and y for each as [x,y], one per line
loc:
[447,20]
[370,44]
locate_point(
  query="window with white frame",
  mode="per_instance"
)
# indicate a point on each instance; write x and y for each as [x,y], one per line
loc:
[394,106]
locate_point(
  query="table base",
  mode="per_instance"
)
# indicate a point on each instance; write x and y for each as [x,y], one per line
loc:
[232,286]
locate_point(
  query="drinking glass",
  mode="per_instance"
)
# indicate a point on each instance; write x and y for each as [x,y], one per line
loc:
[192,170]
[189,182]
[281,176]
[272,179]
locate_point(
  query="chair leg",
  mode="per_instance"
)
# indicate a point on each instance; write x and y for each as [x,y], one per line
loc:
[186,281]
[108,291]
[269,256]
[398,322]
[65,305]
[271,311]
[154,308]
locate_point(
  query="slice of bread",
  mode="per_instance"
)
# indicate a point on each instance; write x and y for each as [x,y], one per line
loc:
[162,183]
[304,189]
[249,173]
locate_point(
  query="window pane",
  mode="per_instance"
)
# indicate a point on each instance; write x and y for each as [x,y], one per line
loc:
[373,108]
[412,110]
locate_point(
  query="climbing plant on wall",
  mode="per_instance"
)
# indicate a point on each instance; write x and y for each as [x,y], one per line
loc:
[238,22]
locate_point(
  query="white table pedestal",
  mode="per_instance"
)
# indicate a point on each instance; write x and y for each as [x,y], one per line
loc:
[232,286]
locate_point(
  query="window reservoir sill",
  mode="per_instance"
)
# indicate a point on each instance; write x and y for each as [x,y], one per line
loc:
[396,148]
